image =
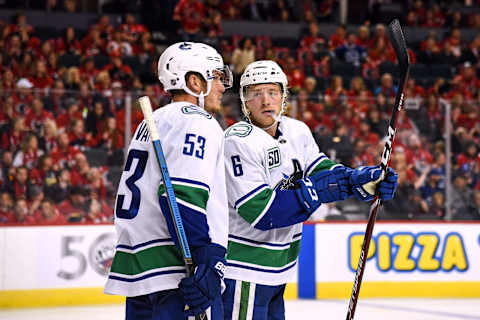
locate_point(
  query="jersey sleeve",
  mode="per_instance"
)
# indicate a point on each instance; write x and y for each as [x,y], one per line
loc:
[315,160]
[198,183]
[249,193]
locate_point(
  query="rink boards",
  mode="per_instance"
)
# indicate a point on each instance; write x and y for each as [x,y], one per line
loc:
[67,265]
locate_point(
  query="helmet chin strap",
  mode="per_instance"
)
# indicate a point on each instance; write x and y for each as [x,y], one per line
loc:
[277,119]
[201,100]
[201,96]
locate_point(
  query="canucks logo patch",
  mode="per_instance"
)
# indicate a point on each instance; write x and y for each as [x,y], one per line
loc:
[288,181]
[196,110]
[273,158]
[240,129]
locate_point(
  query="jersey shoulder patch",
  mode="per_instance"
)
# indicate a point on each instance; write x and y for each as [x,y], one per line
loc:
[191,109]
[241,129]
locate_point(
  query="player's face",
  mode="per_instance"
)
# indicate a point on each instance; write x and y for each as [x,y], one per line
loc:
[213,102]
[264,101]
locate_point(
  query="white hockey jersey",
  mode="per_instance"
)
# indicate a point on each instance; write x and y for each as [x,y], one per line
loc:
[146,259]
[256,164]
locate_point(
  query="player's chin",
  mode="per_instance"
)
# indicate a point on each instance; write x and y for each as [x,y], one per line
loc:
[265,122]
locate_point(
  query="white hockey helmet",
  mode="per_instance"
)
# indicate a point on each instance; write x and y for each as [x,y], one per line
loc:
[263,71]
[183,57]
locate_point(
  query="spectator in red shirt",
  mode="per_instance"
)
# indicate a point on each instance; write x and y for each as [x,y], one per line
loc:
[65,120]
[40,78]
[213,27]
[295,76]
[35,117]
[77,135]
[338,38]
[118,45]
[365,133]
[80,170]
[136,117]
[98,213]
[363,37]
[14,47]
[48,214]
[20,25]
[6,207]
[21,213]
[190,13]
[467,80]
[362,157]
[7,170]
[63,155]
[417,154]
[76,206]
[96,185]
[46,171]
[68,43]
[7,82]
[103,83]
[20,186]
[88,72]
[104,26]
[93,43]
[111,138]
[430,21]
[46,48]
[132,30]
[144,47]
[336,94]
[23,97]
[380,33]
[7,113]
[455,41]
[29,154]
[438,15]
[310,40]
[469,159]
[412,19]
[11,140]
[413,90]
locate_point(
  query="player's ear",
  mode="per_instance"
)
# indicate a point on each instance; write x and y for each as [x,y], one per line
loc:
[195,82]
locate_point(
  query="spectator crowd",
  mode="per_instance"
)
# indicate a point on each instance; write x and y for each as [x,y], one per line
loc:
[64,102]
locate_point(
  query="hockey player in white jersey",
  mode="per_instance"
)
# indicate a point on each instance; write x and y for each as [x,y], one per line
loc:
[276,178]
[148,267]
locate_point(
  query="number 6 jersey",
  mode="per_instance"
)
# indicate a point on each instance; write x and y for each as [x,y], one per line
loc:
[256,164]
[146,258]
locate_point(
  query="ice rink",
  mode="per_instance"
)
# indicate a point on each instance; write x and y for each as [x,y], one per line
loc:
[367,309]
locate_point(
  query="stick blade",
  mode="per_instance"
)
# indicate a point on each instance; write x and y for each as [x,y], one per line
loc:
[397,39]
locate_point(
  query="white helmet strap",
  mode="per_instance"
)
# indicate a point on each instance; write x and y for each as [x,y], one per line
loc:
[201,96]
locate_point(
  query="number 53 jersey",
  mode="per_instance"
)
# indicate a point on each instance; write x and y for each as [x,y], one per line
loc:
[146,258]
[256,164]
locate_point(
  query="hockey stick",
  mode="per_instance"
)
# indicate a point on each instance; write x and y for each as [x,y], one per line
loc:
[172,202]
[399,45]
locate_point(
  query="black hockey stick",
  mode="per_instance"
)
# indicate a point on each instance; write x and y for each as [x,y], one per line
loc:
[399,45]
[172,202]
